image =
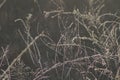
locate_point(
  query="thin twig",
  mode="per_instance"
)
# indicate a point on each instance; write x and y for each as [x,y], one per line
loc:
[3,2]
[20,55]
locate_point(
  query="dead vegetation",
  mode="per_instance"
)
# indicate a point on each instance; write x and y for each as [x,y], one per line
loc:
[65,45]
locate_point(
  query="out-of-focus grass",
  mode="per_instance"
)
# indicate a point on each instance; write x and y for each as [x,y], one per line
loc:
[89,46]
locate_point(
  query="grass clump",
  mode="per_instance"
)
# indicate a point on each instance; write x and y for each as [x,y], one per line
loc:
[87,46]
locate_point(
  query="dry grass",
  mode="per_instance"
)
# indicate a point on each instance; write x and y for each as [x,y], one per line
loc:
[86,55]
